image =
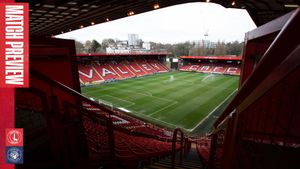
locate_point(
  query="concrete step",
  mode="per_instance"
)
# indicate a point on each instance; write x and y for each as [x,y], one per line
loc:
[191,162]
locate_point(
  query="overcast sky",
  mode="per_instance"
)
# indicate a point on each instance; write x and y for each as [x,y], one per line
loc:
[180,23]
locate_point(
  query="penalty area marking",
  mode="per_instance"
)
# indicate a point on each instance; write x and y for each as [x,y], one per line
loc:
[96,90]
[130,103]
[131,91]
[174,102]
[155,119]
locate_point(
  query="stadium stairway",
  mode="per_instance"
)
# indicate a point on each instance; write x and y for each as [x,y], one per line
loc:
[192,161]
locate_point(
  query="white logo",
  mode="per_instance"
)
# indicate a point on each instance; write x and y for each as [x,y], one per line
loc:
[14,137]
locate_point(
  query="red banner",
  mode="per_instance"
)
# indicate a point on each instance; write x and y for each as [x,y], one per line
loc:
[13,73]
[14,45]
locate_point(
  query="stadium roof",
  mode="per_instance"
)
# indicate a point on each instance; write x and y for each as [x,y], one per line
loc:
[123,54]
[212,57]
[52,17]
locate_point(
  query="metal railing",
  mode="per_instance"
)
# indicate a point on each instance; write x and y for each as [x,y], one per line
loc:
[260,117]
[67,110]
[174,149]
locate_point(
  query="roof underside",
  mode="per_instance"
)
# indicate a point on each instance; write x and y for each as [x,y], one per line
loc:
[52,17]
[239,58]
[122,54]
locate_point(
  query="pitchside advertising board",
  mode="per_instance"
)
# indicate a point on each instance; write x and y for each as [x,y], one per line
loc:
[13,74]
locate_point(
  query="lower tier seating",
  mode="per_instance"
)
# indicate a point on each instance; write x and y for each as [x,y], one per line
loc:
[132,124]
[203,147]
[130,149]
[112,70]
[230,69]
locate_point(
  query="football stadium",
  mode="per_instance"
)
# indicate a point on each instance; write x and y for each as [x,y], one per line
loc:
[161,106]
[148,110]
[147,89]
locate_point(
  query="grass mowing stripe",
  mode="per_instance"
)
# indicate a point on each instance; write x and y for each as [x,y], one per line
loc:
[116,101]
[190,107]
[157,111]
[171,87]
[185,90]
[134,82]
[207,106]
[146,82]
[182,101]
[133,85]
[209,114]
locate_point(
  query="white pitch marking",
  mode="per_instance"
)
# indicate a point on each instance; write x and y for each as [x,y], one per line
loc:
[175,102]
[130,103]
[212,111]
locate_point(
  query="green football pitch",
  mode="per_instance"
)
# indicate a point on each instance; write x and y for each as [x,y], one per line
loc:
[173,99]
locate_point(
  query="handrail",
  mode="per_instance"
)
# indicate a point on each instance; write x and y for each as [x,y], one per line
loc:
[174,147]
[65,88]
[53,84]
[78,95]
[187,146]
[264,68]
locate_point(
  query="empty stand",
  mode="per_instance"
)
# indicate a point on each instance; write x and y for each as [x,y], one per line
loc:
[206,68]
[88,75]
[132,124]
[122,70]
[110,136]
[232,70]
[106,71]
[96,72]
[67,130]
[158,66]
[193,67]
[260,128]
[185,68]
[212,64]
[217,68]
[203,148]
[147,67]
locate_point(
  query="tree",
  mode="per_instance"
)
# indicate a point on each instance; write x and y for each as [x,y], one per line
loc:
[203,47]
[79,47]
[220,48]
[234,48]
[107,42]
[159,47]
[95,46]
[88,46]
[182,49]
